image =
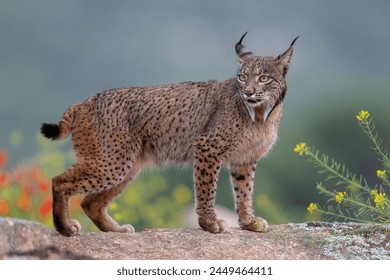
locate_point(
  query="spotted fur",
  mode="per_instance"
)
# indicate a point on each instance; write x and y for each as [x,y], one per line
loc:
[118,132]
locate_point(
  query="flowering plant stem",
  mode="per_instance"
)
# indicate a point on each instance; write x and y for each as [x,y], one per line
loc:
[368,127]
[322,163]
[346,199]
[356,201]
[339,216]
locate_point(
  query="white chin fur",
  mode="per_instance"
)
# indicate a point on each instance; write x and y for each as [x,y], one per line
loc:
[251,109]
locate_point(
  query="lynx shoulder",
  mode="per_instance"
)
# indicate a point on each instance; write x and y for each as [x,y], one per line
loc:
[119,131]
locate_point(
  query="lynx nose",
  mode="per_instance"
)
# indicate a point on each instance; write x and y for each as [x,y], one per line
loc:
[249,91]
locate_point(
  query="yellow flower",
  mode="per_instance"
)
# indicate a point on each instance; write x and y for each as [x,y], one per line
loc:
[118,216]
[363,115]
[340,196]
[381,174]
[114,206]
[312,207]
[301,148]
[380,200]
[374,193]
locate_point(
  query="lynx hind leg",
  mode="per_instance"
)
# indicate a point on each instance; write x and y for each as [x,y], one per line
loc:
[99,186]
[206,171]
[242,177]
[63,187]
[95,206]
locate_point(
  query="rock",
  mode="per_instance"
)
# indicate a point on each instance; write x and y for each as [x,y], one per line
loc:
[191,244]
[21,239]
[20,236]
[354,241]
[307,241]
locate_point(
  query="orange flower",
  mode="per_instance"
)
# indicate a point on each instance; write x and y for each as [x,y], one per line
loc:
[3,180]
[4,208]
[3,158]
[43,186]
[76,202]
[37,174]
[44,209]
[24,202]
[27,190]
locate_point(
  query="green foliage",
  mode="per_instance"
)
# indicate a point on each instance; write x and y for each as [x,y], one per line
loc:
[351,198]
[151,201]
[25,191]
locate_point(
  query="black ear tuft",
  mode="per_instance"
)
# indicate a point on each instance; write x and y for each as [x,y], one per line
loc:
[289,49]
[241,51]
[238,46]
[293,42]
[50,131]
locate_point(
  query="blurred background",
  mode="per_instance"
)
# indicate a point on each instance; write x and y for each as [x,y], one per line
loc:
[56,53]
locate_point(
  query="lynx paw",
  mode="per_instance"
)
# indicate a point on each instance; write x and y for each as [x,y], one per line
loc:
[127,228]
[217,226]
[257,224]
[71,228]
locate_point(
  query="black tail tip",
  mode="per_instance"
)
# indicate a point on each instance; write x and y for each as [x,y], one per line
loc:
[50,131]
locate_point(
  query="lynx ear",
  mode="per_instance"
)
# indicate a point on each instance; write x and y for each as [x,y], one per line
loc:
[284,59]
[241,51]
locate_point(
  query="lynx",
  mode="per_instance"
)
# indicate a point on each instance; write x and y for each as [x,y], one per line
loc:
[119,131]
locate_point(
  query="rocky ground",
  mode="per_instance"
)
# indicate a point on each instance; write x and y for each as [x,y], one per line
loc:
[20,239]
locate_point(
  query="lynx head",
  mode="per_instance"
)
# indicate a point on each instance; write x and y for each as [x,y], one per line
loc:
[261,79]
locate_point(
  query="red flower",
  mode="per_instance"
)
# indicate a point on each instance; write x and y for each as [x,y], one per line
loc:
[3,158]
[24,202]
[4,208]
[27,190]
[3,180]
[44,209]
[43,186]
[75,203]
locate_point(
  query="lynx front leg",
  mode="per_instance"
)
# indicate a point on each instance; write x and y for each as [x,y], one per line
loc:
[243,180]
[206,171]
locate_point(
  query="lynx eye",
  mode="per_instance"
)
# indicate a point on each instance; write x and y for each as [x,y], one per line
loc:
[263,79]
[242,78]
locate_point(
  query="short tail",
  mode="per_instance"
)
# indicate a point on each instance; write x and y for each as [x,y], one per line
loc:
[50,130]
[61,130]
